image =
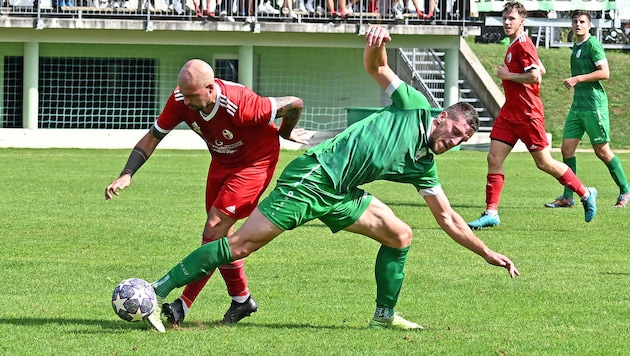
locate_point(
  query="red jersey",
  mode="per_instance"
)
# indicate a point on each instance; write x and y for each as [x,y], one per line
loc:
[522,101]
[240,129]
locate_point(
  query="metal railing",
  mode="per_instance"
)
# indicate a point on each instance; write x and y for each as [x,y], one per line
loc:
[447,12]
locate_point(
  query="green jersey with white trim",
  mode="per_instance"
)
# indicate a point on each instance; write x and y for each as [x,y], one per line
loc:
[585,58]
[390,144]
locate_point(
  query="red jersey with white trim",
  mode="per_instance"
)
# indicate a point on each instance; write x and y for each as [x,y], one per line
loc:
[522,101]
[240,129]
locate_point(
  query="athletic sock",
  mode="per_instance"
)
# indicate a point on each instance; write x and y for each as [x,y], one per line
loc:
[192,290]
[389,273]
[571,181]
[572,163]
[494,185]
[194,266]
[618,175]
[383,312]
[235,279]
[241,299]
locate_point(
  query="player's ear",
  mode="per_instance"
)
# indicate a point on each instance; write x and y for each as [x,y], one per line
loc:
[441,117]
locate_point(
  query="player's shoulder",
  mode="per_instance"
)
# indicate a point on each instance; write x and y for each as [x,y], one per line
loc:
[594,43]
[231,90]
[177,95]
[175,104]
[524,41]
[226,84]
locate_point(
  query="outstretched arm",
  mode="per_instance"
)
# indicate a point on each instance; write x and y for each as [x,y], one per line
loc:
[290,109]
[455,226]
[140,154]
[375,56]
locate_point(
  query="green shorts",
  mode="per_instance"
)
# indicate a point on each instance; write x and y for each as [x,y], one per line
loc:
[305,192]
[595,123]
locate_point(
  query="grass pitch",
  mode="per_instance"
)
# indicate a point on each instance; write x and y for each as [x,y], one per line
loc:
[66,248]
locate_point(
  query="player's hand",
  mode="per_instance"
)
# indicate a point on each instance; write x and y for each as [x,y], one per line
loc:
[121,183]
[499,260]
[376,36]
[301,136]
[570,82]
[503,72]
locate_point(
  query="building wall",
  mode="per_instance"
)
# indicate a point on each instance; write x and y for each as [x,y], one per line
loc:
[328,79]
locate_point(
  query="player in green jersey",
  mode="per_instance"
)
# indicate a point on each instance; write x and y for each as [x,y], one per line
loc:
[397,144]
[589,110]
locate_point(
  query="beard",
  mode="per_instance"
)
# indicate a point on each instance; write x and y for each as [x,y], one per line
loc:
[431,144]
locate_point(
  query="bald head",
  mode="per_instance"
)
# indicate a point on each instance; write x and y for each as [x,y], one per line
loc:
[196,84]
[195,74]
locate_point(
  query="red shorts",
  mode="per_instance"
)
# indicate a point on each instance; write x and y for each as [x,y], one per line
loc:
[236,191]
[531,131]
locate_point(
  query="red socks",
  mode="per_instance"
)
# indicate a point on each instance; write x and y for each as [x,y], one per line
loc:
[571,181]
[494,185]
[233,274]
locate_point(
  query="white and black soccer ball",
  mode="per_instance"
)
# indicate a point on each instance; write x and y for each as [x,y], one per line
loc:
[134,299]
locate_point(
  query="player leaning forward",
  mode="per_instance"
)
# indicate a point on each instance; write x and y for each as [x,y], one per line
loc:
[238,127]
[396,144]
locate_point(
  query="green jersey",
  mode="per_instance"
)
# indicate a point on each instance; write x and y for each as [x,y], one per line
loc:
[585,58]
[390,144]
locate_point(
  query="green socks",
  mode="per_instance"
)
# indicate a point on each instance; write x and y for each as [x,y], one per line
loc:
[618,175]
[194,266]
[572,163]
[390,263]
[614,167]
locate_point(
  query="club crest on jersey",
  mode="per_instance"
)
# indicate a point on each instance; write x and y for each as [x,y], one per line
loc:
[196,128]
[227,134]
[578,54]
[509,57]
[421,153]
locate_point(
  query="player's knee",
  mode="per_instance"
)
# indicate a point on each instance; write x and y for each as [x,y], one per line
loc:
[241,249]
[604,154]
[495,163]
[214,232]
[403,236]
[542,166]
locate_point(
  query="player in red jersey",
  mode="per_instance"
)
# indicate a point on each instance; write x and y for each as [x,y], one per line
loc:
[238,126]
[522,117]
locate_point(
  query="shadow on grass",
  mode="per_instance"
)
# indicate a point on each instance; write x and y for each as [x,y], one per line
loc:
[119,326]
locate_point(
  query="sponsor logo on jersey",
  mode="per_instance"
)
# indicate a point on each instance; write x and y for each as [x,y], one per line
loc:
[222,148]
[509,57]
[578,54]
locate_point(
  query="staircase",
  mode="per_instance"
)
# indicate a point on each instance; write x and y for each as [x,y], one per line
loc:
[425,70]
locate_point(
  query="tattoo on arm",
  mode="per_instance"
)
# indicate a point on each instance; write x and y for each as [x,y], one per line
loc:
[286,109]
[290,109]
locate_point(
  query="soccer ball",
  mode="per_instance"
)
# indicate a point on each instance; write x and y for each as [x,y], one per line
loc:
[134,299]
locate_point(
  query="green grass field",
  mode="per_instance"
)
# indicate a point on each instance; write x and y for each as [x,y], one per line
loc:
[66,248]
